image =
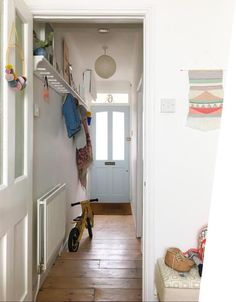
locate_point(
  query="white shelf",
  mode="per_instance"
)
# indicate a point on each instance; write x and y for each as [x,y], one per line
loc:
[43,68]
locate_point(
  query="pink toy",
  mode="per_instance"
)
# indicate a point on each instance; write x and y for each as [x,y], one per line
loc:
[16,83]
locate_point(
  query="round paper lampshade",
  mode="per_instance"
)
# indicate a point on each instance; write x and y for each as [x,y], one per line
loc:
[105,66]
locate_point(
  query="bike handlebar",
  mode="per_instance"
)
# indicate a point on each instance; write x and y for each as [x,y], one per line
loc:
[90,200]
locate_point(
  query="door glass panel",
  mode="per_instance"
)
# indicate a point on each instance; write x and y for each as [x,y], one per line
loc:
[101,136]
[1,96]
[118,129]
[19,103]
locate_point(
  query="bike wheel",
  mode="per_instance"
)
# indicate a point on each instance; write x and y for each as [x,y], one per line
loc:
[89,227]
[73,244]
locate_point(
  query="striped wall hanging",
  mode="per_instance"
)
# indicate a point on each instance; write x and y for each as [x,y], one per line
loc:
[205,99]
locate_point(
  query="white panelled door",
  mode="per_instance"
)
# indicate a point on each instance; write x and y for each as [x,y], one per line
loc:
[16,158]
[110,177]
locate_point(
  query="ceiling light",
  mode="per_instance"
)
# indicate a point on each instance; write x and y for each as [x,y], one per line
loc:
[105,66]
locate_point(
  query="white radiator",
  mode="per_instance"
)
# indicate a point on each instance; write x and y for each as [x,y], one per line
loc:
[51,223]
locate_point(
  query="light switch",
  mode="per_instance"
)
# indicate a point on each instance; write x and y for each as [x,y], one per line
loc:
[168,105]
[36,110]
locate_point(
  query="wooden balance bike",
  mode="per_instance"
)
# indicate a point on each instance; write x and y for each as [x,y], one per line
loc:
[85,220]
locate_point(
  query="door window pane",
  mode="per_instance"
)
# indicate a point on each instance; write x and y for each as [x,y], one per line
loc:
[118,129]
[101,136]
[19,104]
[1,96]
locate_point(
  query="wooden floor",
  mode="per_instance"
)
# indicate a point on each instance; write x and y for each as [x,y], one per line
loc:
[108,268]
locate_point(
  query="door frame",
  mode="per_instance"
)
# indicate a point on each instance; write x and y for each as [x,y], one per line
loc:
[139,179]
[145,13]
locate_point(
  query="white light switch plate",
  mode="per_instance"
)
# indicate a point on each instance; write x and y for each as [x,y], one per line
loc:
[168,105]
[36,110]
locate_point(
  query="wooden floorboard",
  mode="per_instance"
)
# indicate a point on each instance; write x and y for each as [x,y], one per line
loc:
[105,294]
[100,273]
[121,264]
[59,295]
[111,246]
[73,282]
[107,256]
[64,264]
[106,268]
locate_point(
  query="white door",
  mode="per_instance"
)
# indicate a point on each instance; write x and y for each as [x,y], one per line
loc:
[110,177]
[16,158]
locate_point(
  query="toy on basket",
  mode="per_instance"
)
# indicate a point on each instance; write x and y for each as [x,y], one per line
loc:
[197,255]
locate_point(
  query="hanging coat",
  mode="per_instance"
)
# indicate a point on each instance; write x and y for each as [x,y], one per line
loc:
[84,157]
[71,115]
[80,139]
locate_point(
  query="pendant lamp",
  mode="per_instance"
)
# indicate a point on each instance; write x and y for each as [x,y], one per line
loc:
[105,66]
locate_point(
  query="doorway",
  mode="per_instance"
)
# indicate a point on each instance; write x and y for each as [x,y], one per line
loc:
[92,14]
[110,177]
[118,127]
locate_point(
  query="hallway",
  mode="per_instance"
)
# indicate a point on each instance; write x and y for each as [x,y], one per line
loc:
[108,268]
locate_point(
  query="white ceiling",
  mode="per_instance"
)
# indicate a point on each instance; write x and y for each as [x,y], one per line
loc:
[122,41]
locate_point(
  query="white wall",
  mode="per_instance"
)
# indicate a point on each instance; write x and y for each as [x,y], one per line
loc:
[54,152]
[75,57]
[54,157]
[89,43]
[188,36]
[222,222]
[113,86]
[179,168]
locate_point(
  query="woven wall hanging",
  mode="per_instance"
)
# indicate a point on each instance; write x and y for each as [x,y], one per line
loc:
[205,99]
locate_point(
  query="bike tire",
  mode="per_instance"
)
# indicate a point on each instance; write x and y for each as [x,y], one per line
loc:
[89,227]
[73,244]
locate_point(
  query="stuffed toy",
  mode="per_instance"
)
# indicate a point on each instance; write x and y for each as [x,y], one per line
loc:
[15,82]
[197,254]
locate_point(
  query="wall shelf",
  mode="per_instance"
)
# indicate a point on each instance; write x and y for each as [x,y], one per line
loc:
[43,68]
